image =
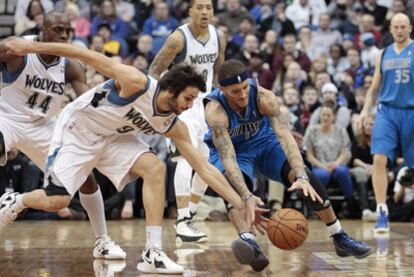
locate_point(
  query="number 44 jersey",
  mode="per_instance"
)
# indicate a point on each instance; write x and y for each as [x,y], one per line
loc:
[35,91]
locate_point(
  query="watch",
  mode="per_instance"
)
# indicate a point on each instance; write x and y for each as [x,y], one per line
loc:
[304,177]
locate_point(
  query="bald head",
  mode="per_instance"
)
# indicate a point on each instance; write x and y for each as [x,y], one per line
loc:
[56,27]
[53,17]
[400,28]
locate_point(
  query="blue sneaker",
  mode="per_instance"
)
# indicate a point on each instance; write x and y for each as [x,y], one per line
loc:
[383,224]
[346,246]
[247,251]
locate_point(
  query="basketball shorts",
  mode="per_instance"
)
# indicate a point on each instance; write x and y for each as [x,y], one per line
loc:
[394,130]
[75,151]
[31,138]
[268,159]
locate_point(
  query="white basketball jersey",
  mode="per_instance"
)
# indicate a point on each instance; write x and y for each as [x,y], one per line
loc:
[34,92]
[201,55]
[105,113]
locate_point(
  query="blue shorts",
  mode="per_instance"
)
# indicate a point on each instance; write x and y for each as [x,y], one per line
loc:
[268,159]
[394,130]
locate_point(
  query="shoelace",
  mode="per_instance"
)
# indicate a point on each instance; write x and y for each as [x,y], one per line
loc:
[157,250]
[192,227]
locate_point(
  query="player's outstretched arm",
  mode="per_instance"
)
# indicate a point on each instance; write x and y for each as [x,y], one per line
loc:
[172,46]
[207,172]
[130,78]
[268,106]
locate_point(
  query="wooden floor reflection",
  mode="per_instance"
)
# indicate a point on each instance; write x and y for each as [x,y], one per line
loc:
[64,248]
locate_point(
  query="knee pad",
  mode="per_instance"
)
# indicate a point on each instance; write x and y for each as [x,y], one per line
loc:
[2,145]
[320,189]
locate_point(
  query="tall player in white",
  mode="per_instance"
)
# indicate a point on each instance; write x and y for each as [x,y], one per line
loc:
[99,130]
[200,44]
[29,102]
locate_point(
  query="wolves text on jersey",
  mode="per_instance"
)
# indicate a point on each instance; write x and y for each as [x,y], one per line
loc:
[203,58]
[139,121]
[46,85]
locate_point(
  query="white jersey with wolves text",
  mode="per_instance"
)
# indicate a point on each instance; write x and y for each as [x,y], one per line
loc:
[201,55]
[103,112]
[36,91]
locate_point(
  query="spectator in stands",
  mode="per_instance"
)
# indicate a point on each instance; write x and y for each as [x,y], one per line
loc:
[342,114]
[278,22]
[323,37]
[291,99]
[159,26]
[140,61]
[356,69]
[250,45]
[337,62]
[232,50]
[296,76]
[256,70]
[80,24]
[289,48]
[305,37]
[247,26]
[310,103]
[31,22]
[268,47]
[369,50]
[377,11]
[233,15]
[107,14]
[97,44]
[305,12]
[22,8]
[402,206]
[366,26]
[361,163]
[111,47]
[319,64]
[329,150]
[262,10]
[348,24]
[82,5]
[321,79]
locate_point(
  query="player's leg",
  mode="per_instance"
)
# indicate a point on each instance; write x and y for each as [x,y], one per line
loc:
[123,160]
[383,147]
[281,171]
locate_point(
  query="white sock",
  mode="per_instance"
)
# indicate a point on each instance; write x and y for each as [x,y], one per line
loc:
[382,207]
[19,203]
[193,207]
[183,212]
[154,235]
[94,206]
[335,227]
[247,235]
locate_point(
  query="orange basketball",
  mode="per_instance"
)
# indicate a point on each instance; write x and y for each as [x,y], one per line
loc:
[287,229]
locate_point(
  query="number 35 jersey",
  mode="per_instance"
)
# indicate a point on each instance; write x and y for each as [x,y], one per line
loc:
[36,91]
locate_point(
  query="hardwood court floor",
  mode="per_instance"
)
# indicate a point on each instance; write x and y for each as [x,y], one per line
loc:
[64,248]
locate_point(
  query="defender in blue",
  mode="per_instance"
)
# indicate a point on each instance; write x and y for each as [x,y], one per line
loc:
[247,132]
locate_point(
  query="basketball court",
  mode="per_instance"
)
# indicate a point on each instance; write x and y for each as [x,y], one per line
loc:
[64,248]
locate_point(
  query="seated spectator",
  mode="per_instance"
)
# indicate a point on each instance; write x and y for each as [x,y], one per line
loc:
[232,50]
[337,62]
[107,15]
[159,26]
[257,71]
[361,166]
[250,45]
[356,69]
[305,12]
[82,5]
[262,10]
[31,22]
[278,22]
[402,205]
[246,27]
[304,40]
[377,11]
[319,64]
[111,46]
[329,150]
[97,44]
[268,47]
[342,114]
[309,104]
[295,75]
[22,8]
[233,15]
[323,37]
[369,51]
[81,25]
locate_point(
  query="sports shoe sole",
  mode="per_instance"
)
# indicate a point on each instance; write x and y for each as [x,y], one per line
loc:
[180,238]
[245,255]
[145,268]
[344,254]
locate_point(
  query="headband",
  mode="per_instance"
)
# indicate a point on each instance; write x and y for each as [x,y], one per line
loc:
[237,79]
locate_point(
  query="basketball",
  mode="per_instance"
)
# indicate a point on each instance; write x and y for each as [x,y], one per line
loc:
[287,229]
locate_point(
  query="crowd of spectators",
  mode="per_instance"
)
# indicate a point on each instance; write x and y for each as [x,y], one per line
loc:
[317,56]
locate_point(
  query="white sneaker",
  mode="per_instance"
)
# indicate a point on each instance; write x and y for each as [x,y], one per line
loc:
[187,232]
[154,260]
[106,248]
[107,268]
[369,216]
[8,209]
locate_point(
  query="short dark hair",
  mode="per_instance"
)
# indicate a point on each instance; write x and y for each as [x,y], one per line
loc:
[331,105]
[181,76]
[229,69]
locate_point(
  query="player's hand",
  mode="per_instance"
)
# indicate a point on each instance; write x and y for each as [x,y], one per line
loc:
[260,222]
[359,121]
[306,189]
[18,47]
[252,204]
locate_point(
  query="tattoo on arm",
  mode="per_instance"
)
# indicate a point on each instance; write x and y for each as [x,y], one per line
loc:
[164,58]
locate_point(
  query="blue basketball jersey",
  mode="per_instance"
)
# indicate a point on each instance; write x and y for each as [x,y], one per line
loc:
[397,89]
[248,131]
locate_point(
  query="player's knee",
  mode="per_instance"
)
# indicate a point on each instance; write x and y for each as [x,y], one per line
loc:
[380,161]
[156,174]
[89,186]
[56,202]
[320,190]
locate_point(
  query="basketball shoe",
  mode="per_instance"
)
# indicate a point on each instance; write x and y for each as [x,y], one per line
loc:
[154,260]
[247,251]
[106,248]
[382,225]
[8,209]
[187,232]
[346,246]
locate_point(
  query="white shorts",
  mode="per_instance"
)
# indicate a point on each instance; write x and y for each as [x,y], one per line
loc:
[72,158]
[31,138]
[195,121]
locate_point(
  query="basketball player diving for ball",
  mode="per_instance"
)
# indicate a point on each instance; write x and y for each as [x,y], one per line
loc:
[247,131]
[99,130]
[30,99]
